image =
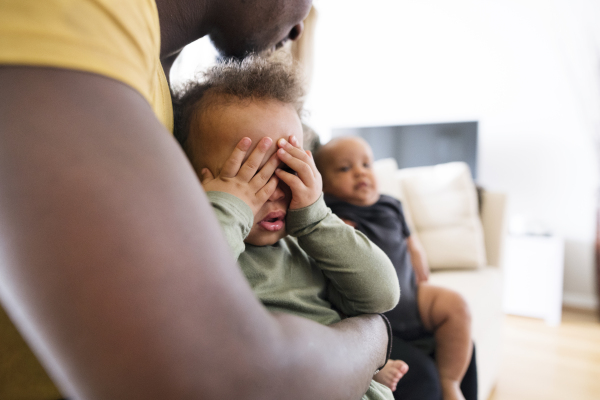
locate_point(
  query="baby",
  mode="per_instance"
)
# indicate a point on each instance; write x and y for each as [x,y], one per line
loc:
[351,191]
[241,130]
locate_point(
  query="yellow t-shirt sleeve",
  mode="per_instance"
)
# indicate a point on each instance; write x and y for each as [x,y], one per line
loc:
[115,38]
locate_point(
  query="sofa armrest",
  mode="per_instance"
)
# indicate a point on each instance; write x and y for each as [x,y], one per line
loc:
[493,219]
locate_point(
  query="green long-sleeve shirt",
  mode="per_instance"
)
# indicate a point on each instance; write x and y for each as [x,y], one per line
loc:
[323,265]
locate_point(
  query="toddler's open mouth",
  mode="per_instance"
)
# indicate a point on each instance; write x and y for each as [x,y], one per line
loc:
[273,221]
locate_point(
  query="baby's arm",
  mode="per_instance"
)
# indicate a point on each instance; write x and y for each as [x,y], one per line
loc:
[363,279]
[235,218]
[418,258]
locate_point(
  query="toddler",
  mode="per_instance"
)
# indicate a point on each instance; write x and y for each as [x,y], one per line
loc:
[351,192]
[241,130]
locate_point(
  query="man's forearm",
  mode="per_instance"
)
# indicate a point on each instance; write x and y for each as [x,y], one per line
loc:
[355,348]
[111,268]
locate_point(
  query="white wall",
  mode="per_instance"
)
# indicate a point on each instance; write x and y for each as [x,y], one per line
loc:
[526,69]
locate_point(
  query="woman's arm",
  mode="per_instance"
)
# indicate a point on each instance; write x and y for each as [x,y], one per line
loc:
[110,266]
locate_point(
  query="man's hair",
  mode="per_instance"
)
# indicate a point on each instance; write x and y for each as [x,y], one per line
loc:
[253,78]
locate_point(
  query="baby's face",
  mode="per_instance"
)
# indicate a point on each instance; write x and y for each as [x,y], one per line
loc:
[224,126]
[347,172]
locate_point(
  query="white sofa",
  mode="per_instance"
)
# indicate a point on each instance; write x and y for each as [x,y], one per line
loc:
[463,245]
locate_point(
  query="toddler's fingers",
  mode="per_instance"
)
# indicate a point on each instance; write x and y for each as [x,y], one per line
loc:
[294,151]
[305,172]
[206,176]
[266,172]
[294,141]
[234,162]
[267,190]
[311,162]
[293,181]
[251,165]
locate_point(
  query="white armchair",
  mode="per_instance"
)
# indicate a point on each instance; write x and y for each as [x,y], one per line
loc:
[464,246]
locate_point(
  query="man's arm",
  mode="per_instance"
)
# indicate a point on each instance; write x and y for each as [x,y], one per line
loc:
[110,267]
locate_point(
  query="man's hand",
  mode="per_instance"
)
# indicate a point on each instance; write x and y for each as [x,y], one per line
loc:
[242,180]
[418,259]
[306,184]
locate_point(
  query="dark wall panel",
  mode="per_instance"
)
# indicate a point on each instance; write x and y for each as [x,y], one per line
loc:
[421,145]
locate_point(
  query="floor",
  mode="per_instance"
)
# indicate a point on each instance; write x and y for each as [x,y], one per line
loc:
[550,363]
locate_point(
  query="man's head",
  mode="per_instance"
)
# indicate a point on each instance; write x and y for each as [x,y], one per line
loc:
[254,98]
[346,166]
[241,27]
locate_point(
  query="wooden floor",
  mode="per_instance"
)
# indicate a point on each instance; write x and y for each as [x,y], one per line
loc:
[550,363]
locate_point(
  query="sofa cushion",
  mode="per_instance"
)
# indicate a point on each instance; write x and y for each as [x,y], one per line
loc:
[387,182]
[441,203]
[385,172]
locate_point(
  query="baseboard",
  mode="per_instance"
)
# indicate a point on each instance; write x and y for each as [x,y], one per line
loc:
[579,300]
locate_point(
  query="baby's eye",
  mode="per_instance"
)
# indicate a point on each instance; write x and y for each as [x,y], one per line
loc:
[344,169]
[367,165]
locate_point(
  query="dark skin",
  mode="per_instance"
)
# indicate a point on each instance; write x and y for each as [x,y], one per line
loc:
[111,263]
[235,28]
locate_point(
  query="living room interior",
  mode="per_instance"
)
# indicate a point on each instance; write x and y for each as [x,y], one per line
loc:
[484,116]
[523,77]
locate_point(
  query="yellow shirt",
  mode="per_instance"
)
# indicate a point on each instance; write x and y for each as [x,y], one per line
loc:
[116,38]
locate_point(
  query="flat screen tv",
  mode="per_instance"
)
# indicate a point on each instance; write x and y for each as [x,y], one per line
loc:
[422,144]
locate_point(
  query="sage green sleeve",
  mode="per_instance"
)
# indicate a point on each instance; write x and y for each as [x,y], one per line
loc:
[235,218]
[363,279]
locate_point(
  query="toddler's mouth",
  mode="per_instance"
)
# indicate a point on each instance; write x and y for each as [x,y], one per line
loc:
[273,221]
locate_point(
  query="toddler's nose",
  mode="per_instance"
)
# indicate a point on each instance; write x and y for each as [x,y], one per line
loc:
[359,170]
[278,194]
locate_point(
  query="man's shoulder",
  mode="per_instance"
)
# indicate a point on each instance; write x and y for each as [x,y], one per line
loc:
[120,40]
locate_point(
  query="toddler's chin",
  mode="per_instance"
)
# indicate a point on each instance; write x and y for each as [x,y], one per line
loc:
[264,238]
[365,201]
[372,199]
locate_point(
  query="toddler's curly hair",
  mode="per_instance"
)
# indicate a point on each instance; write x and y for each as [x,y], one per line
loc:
[253,78]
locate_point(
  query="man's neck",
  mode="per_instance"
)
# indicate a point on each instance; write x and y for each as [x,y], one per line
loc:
[181,23]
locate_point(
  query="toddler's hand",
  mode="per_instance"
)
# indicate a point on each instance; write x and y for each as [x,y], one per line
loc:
[306,184]
[242,180]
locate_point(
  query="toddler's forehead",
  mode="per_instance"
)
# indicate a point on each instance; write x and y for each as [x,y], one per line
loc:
[349,148]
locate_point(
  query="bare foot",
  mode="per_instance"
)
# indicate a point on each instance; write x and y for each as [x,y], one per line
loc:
[451,390]
[391,373]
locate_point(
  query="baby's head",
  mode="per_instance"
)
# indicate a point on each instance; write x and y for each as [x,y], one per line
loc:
[346,165]
[254,98]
